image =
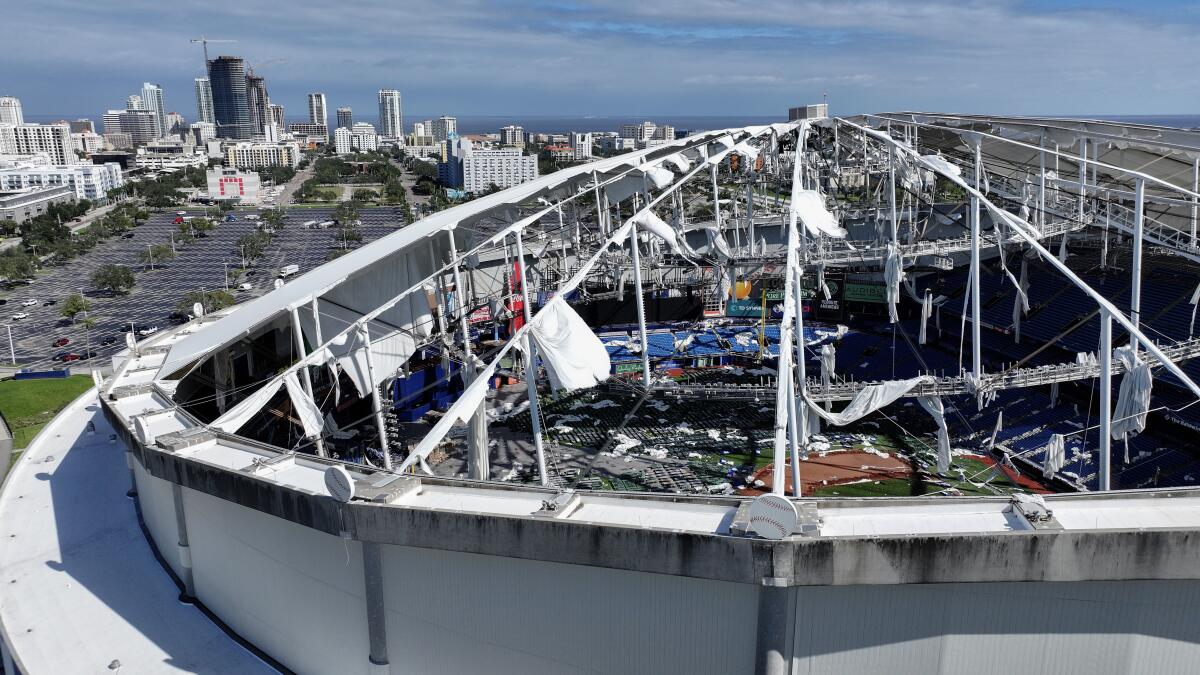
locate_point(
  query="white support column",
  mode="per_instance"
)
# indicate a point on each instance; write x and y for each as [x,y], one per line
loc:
[1195,201]
[717,201]
[364,332]
[478,464]
[305,376]
[892,191]
[783,413]
[1082,176]
[535,416]
[976,347]
[798,404]
[1105,400]
[1135,295]
[641,305]
[1042,181]
[750,217]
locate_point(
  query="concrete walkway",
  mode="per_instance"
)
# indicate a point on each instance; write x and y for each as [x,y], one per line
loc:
[80,588]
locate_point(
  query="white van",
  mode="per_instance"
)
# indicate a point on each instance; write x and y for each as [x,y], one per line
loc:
[244,287]
[309,223]
[288,270]
[252,217]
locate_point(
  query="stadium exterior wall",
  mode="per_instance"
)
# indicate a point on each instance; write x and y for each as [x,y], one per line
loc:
[285,569]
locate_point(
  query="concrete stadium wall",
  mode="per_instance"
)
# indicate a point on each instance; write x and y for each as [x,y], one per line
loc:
[1094,627]
[158,513]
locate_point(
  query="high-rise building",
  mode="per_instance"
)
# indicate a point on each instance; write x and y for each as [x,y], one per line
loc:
[231,104]
[204,102]
[176,123]
[276,112]
[391,116]
[581,144]
[256,95]
[317,113]
[141,125]
[134,103]
[82,126]
[202,132]
[444,127]
[512,135]
[423,128]
[10,110]
[52,140]
[638,132]
[152,100]
[345,117]
[313,133]
[253,155]
[477,170]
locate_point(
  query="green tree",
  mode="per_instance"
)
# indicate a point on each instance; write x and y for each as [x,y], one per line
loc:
[114,278]
[364,195]
[346,212]
[274,218]
[17,264]
[75,305]
[158,254]
[211,301]
[202,225]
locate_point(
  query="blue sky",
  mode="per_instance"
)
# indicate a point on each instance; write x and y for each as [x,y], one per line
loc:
[594,57]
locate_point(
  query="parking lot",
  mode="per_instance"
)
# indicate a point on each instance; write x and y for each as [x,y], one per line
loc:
[198,265]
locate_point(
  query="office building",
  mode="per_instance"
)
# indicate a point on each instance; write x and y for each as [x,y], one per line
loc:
[444,128]
[422,129]
[665,132]
[141,125]
[359,138]
[152,100]
[612,144]
[10,110]
[226,183]
[317,112]
[341,141]
[202,132]
[52,140]
[638,132]
[176,124]
[476,170]
[81,126]
[258,101]
[512,136]
[275,111]
[27,203]
[391,115]
[118,140]
[253,155]
[581,145]
[88,142]
[345,117]
[169,155]
[313,133]
[89,181]
[231,103]
[204,101]
[134,102]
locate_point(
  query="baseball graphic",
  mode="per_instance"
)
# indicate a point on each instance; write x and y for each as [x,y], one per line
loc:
[773,517]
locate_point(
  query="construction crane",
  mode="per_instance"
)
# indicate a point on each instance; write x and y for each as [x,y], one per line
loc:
[204,41]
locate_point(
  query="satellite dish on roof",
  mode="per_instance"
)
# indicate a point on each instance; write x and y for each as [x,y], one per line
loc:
[339,484]
[773,517]
[197,310]
[279,283]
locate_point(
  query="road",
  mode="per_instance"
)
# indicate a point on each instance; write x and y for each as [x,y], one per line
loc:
[198,266]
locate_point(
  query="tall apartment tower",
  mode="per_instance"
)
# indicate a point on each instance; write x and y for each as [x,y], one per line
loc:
[276,112]
[231,103]
[345,117]
[256,95]
[10,110]
[444,127]
[317,112]
[204,104]
[391,117]
[152,100]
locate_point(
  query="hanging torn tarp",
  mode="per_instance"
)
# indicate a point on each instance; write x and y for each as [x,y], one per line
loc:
[933,406]
[812,214]
[569,349]
[868,400]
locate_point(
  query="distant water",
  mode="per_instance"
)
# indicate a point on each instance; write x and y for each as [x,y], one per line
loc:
[484,124]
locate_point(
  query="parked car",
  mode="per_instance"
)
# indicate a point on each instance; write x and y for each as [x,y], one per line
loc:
[29,303]
[110,340]
[71,357]
[62,342]
[3,301]
[148,330]
[244,287]
[178,220]
[181,213]
[230,218]
[127,235]
[49,302]
[20,315]
[179,317]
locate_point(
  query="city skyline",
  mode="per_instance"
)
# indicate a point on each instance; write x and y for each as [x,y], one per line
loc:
[589,59]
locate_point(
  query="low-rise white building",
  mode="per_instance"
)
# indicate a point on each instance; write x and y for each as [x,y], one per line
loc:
[90,181]
[616,143]
[581,144]
[88,142]
[476,170]
[233,184]
[30,139]
[252,155]
[203,132]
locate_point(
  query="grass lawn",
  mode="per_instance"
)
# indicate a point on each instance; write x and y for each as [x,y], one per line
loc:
[890,487]
[29,404]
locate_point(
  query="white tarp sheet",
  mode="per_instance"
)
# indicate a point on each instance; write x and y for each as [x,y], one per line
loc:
[306,409]
[677,160]
[869,399]
[238,415]
[1055,457]
[658,176]
[1133,397]
[933,406]
[893,274]
[810,210]
[572,354]
[650,222]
